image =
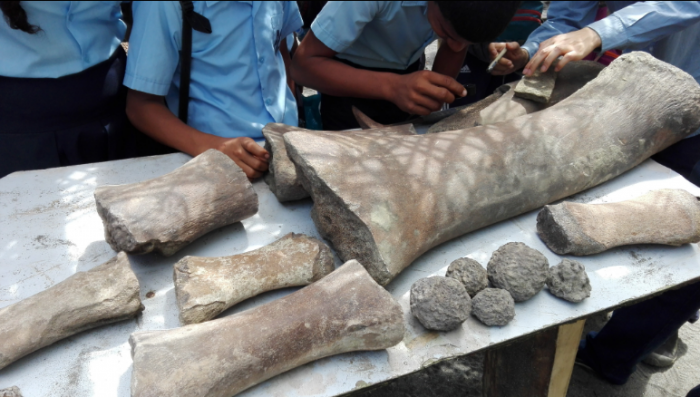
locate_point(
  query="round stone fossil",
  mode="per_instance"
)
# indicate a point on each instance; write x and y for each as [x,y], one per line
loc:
[568,280]
[440,303]
[518,269]
[470,273]
[493,306]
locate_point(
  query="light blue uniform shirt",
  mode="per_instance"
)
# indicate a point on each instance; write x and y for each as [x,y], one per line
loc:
[376,34]
[238,81]
[669,30]
[74,36]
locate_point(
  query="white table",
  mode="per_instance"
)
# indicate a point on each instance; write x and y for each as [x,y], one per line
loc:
[50,230]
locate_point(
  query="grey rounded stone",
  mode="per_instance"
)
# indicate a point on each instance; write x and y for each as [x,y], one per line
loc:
[568,280]
[518,269]
[440,303]
[493,306]
[470,273]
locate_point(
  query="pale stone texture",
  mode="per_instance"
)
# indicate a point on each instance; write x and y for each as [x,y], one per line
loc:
[666,216]
[568,280]
[502,105]
[493,306]
[105,294]
[205,287]
[167,213]
[518,269]
[10,392]
[385,201]
[343,312]
[282,177]
[440,303]
[470,273]
[537,87]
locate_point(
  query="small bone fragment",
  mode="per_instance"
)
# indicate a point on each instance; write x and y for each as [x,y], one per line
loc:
[365,122]
[539,86]
[494,306]
[343,312]
[169,212]
[205,287]
[282,178]
[503,105]
[568,280]
[470,273]
[440,303]
[666,216]
[518,269]
[105,294]
[408,194]
[11,392]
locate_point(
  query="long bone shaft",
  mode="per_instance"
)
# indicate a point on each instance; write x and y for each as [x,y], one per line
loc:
[169,212]
[666,216]
[205,287]
[343,312]
[105,294]
[387,202]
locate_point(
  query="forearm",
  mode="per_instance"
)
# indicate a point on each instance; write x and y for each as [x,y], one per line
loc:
[448,62]
[149,114]
[321,73]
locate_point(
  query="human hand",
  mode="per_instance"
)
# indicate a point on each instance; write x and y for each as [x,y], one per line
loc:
[573,46]
[424,92]
[514,59]
[251,157]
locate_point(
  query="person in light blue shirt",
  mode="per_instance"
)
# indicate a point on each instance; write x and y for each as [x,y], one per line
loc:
[366,54]
[61,98]
[238,79]
[669,30]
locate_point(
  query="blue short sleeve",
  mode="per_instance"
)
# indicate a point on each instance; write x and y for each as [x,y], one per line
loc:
[154,46]
[292,18]
[340,23]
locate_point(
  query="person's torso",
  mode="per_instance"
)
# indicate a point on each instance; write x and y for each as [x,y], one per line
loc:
[74,36]
[238,81]
[395,39]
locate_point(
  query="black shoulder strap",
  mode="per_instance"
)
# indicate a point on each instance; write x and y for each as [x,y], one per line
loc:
[190,20]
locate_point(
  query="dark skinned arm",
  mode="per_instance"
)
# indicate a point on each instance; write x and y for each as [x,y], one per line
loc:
[149,114]
[448,61]
[418,93]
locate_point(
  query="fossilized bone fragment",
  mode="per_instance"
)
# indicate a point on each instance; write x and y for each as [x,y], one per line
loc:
[169,212]
[538,87]
[666,216]
[505,106]
[440,303]
[494,306]
[470,273]
[282,177]
[568,280]
[205,287]
[343,312]
[385,202]
[105,294]
[518,269]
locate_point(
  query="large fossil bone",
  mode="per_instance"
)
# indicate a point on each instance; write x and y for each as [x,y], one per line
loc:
[666,216]
[105,294]
[169,212]
[343,312]
[205,287]
[282,177]
[502,105]
[387,202]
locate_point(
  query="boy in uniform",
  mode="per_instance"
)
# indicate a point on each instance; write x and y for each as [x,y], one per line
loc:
[238,77]
[367,54]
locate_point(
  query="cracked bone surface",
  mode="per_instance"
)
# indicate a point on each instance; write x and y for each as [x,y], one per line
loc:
[165,214]
[282,177]
[386,201]
[503,105]
[343,312]
[205,287]
[666,216]
[105,294]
